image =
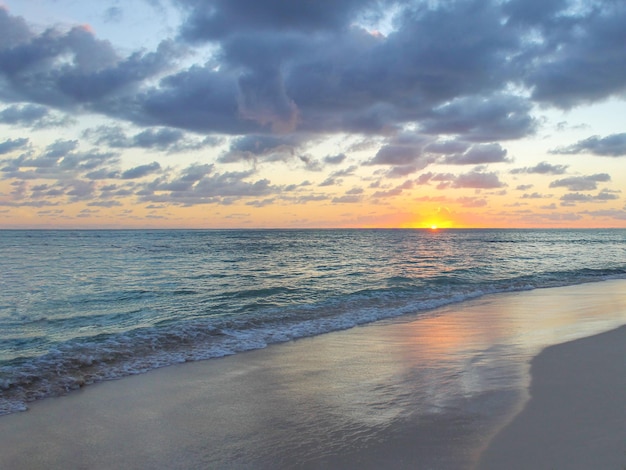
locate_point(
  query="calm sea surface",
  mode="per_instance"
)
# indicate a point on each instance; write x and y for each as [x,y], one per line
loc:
[77,307]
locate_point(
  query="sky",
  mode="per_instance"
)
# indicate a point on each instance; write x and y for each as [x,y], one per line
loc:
[312,113]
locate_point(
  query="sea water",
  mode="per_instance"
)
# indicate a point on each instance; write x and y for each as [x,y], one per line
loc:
[78,307]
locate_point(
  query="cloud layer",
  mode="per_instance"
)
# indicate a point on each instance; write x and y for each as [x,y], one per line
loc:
[418,83]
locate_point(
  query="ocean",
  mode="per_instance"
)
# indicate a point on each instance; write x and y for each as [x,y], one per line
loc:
[79,307]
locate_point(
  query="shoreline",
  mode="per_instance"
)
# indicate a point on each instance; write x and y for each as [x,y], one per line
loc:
[426,391]
[68,381]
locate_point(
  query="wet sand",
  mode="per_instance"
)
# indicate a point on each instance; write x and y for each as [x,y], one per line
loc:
[423,391]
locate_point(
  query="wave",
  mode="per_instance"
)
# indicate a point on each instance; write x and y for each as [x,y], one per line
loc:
[82,361]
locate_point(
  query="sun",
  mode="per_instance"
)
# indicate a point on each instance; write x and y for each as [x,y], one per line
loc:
[434,227]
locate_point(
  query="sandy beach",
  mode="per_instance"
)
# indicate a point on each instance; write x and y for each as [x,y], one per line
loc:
[576,416]
[424,391]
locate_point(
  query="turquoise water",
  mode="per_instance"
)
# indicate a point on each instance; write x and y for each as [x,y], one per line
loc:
[77,307]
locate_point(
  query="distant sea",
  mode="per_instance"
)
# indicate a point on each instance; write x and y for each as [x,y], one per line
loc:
[78,307]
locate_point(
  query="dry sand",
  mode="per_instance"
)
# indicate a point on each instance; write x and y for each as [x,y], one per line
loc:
[576,417]
[422,392]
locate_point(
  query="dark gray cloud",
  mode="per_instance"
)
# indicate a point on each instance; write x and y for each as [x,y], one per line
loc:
[581,183]
[478,180]
[478,154]
[34,116]
[335,159]
[474,179]
[164,139]
[310,163]
[402,150]
[400,171]
[61,161]
[427,178]
[141,171]
[602,196]
[255,147]
[218,188]
[219,18]
[80,190]
[347,199]
[543,168]
[336,177]
[24,115]
[35,67]
[198,99]
[105,203]
[580,58]
[613,145]
[10,145]
[447,147]
[157,138]
[536,195]
[60,148]
[534,12]
[13,30]
[309,67]
[482,119]
[396,155]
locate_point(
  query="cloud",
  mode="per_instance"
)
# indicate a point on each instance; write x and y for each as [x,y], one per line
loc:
[478,180]
[319,67]
[534,12]
[610,146]
[310,163]
[347,199]
[141,171]
[403,170]
[602,196]
[32,115]
[446,147]
[581,183]
[478,154]
[226,17]
[482,119]
[609,213]
[404,151]
[163,139]
[472,202]
[108,203]
[335,159]
[336,177]
[263,99]
[535,195]
[542,168]
[60,148]
[255,147]
[396,155]
[420,83]
[67,68]
[426,178]
[10,145]
[580,57]
[221,188]
[395,191]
